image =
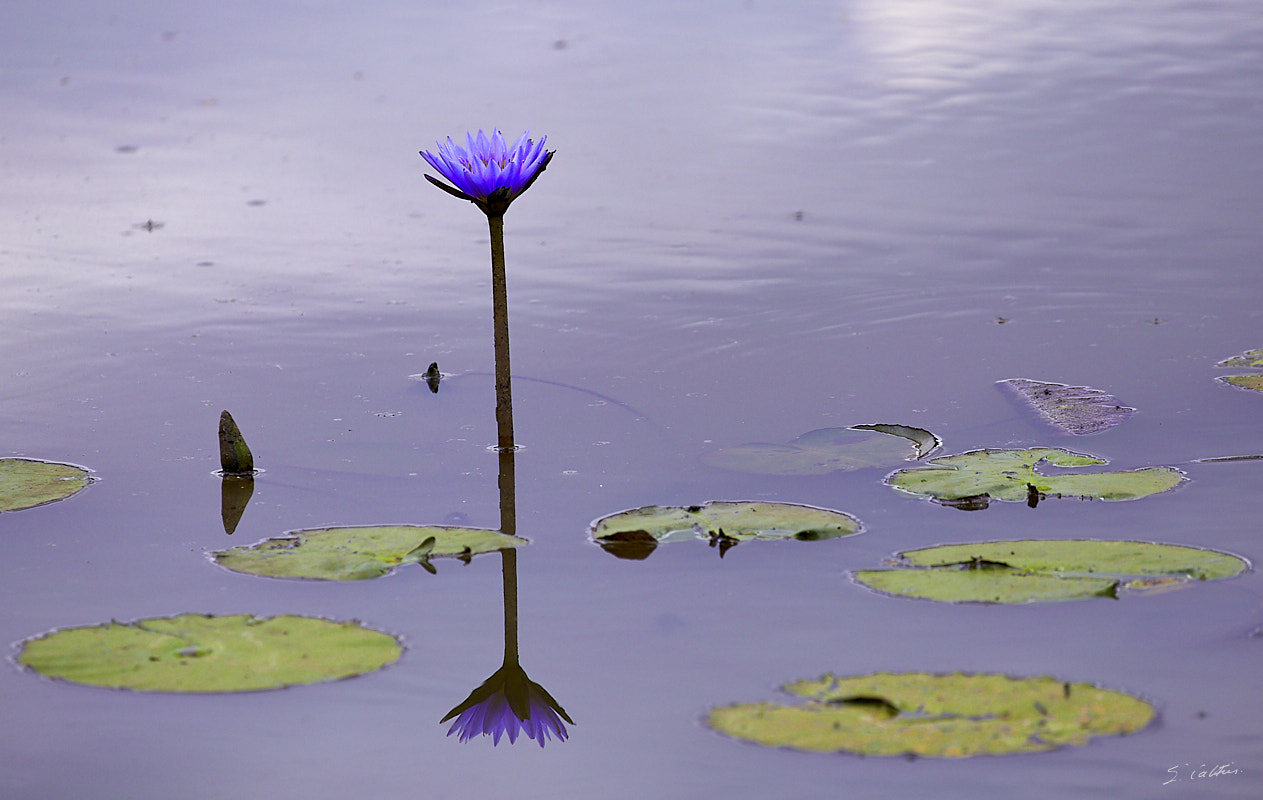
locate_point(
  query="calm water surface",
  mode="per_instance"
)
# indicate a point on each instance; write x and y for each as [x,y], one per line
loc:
[762,219]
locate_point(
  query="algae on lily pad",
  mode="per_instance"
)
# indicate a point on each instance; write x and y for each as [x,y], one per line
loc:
[1075,409]
[1251,359]
[360,552]
[937,716]
[1032,570]
[971,480]
[634,533]
[828,450]
[205,653]
[26,483]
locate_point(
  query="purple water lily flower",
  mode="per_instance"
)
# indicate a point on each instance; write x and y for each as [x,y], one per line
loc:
[508,704]
[488,173]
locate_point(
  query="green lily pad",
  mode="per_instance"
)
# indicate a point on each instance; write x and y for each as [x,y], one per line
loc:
[828,450]
[26,483]
[204,653]
[1253,382]
[1075,409]
[634,533]
[971,480]
[1029,570]
[939,716]
[357,553]
[1252,359]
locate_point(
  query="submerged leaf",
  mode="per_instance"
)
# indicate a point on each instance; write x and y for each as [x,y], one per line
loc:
[1012,475]
[204,653]
[26,483]
[1075,409]
[828,450]
[946,716]
[358,553]
[1032,570]
[722,523]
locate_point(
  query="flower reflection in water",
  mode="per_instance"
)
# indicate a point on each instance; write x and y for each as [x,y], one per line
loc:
[507,704]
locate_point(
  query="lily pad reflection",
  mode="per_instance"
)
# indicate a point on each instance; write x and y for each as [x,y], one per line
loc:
[971,480]
[944,716]
[359,553]
[1027,571]
[204,653]
[635,533]
[26,483]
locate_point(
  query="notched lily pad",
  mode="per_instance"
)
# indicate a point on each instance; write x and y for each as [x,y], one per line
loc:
[204,653]
[971,480]
[1030,570]
[636,532]
[826,450]
[1251,359]
[26,483]
[1075,409]
[937,716]
[358,553]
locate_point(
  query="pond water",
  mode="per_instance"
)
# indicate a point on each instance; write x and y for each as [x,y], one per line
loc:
[762,219]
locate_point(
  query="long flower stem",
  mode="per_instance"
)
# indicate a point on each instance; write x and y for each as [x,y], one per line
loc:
[500,308]
[509,555]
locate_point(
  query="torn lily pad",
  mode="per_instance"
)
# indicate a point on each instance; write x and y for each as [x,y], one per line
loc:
[635,533]
[205,653]
[937,716]
[26,483]
[360,552]
[1251,359]
[826,450]
[971,480]
[1075,409]
[1030,570]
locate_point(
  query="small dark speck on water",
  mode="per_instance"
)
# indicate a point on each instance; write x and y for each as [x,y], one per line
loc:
[257,203]
[126,148]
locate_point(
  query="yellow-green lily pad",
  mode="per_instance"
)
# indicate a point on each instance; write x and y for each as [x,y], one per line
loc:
[26,483]
[971,480]
[1251,359]
[360,552]
[634,533]
[205,653]
[937,716]
[828,450]
[1075,409]
[1032,570]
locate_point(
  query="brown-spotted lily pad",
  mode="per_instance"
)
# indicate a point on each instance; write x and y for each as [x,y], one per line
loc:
[359,553]
[204,653]
[635,533]
[1030,570]
[970,481]
[26,483]
[1252,359]
[938,716]
[828,450]
[1075,409]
